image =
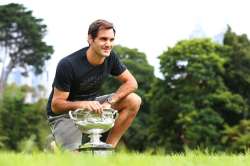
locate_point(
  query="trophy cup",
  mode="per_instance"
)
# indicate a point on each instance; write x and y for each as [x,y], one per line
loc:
[94,125]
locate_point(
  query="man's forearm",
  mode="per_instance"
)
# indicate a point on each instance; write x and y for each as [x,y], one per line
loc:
[62,106]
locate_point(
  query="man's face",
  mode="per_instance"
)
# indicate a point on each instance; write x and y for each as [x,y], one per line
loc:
[103,43]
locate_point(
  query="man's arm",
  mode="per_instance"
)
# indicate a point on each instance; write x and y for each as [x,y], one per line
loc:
[60,104]
[129,85]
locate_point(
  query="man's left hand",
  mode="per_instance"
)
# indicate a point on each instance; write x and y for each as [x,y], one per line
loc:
[106,105]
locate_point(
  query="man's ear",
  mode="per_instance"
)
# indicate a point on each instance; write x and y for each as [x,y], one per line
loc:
[90,39]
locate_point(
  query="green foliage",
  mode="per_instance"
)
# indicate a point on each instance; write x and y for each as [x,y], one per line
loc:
[192,158]
[232,107]
[237,78]
[19,121]
[193,62]
[191,106]
[200,128]
[237,138]
[21,35]
[28,145]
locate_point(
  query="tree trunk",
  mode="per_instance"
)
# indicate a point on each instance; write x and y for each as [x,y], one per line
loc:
[4,76]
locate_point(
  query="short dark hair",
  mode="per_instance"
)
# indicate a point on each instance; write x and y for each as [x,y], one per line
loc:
[98,25]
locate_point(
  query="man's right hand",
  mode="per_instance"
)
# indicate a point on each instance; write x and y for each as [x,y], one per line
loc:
[60,104]
[94,106]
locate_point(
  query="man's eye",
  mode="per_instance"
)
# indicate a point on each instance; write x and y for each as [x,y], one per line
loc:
[103,39]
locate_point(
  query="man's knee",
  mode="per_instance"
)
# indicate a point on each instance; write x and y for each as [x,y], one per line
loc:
[131,102]
[134,101]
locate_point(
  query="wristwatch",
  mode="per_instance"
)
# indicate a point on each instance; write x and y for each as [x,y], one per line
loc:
[110,100]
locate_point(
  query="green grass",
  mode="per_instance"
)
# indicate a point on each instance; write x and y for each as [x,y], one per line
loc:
[122,159]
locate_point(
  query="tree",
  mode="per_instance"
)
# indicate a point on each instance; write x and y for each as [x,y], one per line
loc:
[237,78]
[192,103]
[237,138]
[21,41]
[20,121]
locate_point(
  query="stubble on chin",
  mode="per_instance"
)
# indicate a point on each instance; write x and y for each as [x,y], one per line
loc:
[106,54]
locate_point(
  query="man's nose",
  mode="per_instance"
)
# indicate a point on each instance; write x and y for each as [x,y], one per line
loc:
[108,43]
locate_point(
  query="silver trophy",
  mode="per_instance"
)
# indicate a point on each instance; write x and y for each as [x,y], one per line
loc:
[94,125]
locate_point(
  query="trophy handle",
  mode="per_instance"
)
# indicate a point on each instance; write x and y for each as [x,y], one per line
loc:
[73,114]
[115,114]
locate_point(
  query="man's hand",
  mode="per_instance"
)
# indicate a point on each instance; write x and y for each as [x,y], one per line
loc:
[94,106]
[106,105]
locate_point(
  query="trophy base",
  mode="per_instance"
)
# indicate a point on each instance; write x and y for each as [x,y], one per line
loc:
[101,149]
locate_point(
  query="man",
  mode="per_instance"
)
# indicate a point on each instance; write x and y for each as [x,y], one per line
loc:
[78,79]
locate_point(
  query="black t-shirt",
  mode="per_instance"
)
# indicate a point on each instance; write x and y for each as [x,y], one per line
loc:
[74,74]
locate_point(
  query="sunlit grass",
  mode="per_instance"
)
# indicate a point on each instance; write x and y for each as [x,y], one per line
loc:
[123,159]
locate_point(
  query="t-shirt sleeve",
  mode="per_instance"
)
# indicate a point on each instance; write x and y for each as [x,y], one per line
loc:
[117,66]
[64,76]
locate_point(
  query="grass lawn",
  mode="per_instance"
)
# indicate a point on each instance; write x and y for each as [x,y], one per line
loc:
[123,159]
